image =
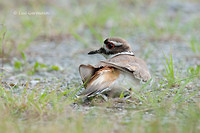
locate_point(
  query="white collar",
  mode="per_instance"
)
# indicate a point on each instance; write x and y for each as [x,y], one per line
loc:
[122,53]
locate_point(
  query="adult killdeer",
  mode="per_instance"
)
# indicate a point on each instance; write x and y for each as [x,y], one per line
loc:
[118,73]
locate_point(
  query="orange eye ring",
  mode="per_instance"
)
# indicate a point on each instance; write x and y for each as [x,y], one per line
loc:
[110,45]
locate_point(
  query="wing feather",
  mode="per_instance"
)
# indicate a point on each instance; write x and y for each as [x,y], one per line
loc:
[129,64]
[86,72]
[101,81]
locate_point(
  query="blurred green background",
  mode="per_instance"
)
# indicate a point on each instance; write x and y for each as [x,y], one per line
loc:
[143,21]
[36,95]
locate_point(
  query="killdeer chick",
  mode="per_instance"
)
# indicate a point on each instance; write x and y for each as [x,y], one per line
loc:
[118,73]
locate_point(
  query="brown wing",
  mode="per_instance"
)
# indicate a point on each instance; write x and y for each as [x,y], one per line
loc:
[131,64]
[100,81]
[86,72]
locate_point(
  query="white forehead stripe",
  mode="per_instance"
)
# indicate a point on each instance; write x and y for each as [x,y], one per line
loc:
[116,43]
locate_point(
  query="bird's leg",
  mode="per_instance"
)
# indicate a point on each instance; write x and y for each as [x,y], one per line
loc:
[104,97]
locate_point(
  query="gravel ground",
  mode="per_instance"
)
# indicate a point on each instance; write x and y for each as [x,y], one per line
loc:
[70,53]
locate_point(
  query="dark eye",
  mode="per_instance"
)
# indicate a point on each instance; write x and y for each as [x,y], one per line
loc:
[110,45]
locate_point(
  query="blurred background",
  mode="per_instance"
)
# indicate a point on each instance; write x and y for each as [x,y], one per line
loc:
[42,44]
[57,35]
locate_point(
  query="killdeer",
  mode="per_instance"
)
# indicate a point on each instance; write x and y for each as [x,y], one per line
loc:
[118,73]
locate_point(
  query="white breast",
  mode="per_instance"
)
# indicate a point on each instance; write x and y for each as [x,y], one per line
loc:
[125,82]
